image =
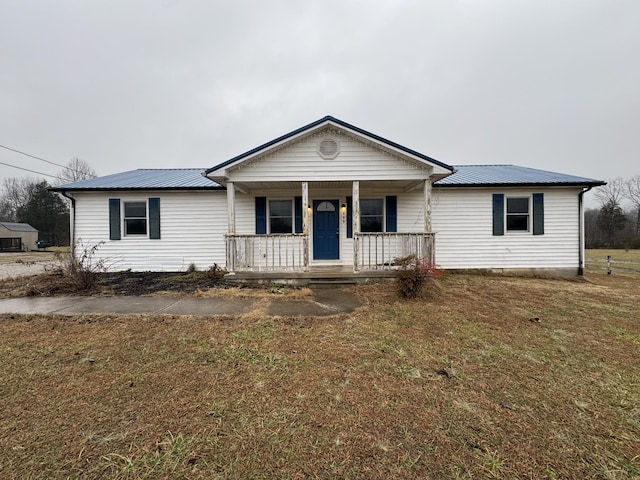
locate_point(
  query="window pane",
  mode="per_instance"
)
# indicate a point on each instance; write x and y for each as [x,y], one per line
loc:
[280,216]
[135,209]
[371,215]
[371,206]
[281,225]
[280,208]
[137,226]
[517,205]
[326,207]
[518,222]
[371,224]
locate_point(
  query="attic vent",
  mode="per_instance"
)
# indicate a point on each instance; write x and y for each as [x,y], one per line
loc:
[328,148]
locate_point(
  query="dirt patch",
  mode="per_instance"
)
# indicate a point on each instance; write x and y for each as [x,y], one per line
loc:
[25,263]
[115,283]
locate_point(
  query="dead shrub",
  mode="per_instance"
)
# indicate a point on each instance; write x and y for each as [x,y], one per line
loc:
[79,267]
[215,271]
[414,274]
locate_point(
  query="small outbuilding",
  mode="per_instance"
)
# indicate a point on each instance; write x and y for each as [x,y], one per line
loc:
[17,237]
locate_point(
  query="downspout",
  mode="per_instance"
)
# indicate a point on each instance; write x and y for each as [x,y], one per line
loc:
[581,230]
[72,221]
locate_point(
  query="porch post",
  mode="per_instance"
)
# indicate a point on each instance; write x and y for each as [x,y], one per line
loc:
[231,227]
[427,206]
[305,208]
[231,208]
[429,241]
[355,210]
[305,222]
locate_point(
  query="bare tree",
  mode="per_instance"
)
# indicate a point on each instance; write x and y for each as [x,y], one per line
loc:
[632,193]
[611,193]
[76,170]
[16,192]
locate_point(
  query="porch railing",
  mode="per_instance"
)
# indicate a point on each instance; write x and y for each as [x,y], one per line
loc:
[378,251]
[276,252]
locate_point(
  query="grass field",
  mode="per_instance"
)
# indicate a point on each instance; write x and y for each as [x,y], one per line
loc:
[489,377]
[622,261]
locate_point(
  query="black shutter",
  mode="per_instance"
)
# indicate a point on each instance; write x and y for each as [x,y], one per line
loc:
[114,219]
[154,218]
[538,214]
[498,214]
[261,215]
[349,217]
[392,213]
[297,207]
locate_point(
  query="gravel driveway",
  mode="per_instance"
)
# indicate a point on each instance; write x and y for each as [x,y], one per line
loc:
[24,263]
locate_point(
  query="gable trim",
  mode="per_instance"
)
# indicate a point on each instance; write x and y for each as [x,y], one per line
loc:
[315,125]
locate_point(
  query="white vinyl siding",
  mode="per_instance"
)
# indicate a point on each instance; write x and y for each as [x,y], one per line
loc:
[193,228]
[300,160]
[194,225]
[462,220]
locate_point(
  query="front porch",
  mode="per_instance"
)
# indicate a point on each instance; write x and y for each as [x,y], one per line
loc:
[372,252]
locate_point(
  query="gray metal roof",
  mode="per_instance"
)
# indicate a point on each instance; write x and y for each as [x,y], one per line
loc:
[146,179]
[192,179]
[510,175]
[18,227]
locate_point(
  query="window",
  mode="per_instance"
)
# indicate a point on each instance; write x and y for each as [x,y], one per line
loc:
[517,214]
[371,215]
[523,214]
[135,218]
[280,216]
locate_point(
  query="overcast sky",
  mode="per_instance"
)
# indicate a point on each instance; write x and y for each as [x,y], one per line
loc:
[128,84]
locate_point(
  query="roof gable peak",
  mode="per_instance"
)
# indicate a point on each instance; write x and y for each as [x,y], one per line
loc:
[317,126]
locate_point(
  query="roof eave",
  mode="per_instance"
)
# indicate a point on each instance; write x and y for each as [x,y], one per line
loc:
[118,189]
[522,184]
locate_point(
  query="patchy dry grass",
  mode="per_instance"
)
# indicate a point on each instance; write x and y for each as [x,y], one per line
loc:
[493,377]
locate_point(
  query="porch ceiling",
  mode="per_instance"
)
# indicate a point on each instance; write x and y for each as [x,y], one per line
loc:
[253,187]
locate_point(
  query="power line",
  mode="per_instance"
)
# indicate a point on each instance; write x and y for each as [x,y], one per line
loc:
[32,156]
[42,160]
[32,171]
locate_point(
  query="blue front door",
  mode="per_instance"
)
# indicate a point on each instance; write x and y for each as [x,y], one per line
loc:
[326,232]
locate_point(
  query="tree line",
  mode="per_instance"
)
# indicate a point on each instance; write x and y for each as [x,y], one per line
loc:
[28,200]
[616,223]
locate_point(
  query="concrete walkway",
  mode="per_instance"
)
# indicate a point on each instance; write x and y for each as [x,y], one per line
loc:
[324,302]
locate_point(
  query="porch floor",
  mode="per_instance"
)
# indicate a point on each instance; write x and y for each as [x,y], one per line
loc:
[316,275]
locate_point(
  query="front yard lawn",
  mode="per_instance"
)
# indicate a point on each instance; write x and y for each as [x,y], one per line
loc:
[489,377]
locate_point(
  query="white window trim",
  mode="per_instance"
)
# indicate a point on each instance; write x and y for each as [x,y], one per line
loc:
[384,213]
[123,204]
[293,214]
[529,229]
